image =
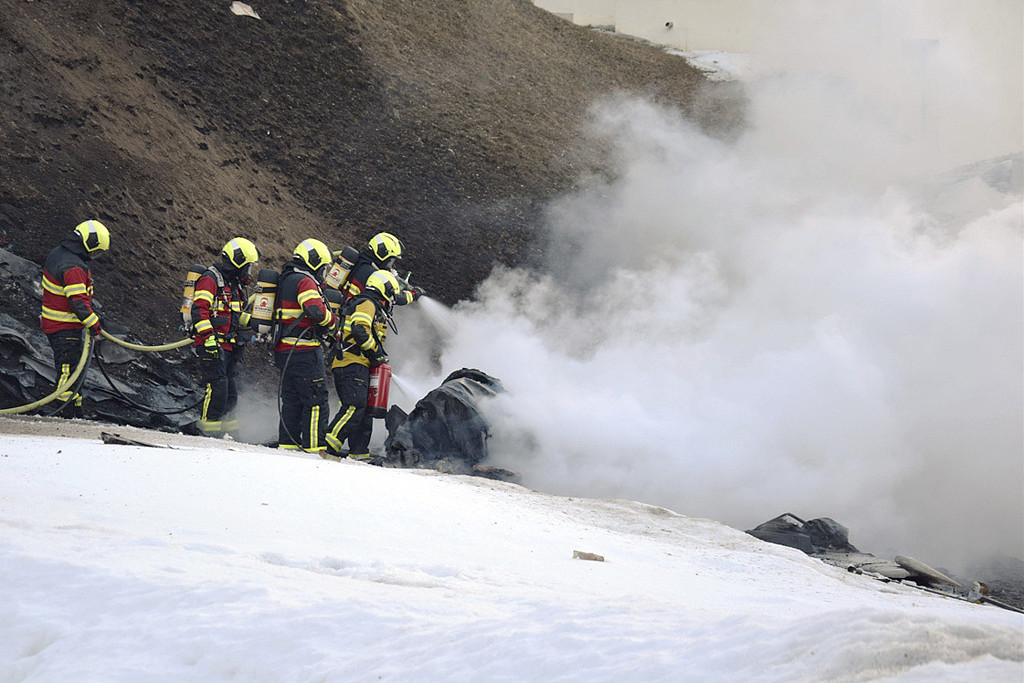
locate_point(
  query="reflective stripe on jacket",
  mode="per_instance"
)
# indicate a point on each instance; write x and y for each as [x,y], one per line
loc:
[66,279]
[301,307]
[370,315]
[217,308]
[363,268]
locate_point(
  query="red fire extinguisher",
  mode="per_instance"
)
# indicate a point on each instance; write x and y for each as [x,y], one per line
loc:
[380,386]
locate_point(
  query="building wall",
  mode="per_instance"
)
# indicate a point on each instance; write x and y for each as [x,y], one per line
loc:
[986,37]
[733,25]
[725,25]
[582,12]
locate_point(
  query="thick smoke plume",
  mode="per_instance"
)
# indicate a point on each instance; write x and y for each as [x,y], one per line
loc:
[812,319]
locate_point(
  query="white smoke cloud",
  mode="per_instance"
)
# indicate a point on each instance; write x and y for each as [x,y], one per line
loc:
[782,324]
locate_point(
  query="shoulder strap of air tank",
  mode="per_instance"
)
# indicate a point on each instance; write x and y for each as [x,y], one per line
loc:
[282,333]
[218,277]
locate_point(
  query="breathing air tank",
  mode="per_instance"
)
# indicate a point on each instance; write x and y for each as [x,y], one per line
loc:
[263,301]
[189,292]
[334,300]
[342,266]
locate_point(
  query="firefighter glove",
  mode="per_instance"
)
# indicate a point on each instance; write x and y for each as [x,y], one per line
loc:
[95,328]
[360,335]
[211,347]
[245,336]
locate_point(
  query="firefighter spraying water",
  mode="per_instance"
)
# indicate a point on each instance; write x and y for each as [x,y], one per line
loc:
[357,290]
[440,316]
[369,286]
[360,369]
[322,301]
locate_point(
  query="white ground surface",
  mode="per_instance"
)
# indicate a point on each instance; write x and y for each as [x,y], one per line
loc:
[210,560]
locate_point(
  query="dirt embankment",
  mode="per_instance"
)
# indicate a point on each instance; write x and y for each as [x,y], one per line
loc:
[179,124]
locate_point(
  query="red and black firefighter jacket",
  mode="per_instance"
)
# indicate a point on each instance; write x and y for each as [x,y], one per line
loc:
[67,290]
[302,311]
[217,308]
[365,266]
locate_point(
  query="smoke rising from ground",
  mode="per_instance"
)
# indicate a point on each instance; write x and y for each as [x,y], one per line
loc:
[809,320]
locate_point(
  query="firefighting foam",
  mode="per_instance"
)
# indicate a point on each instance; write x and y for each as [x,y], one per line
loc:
[809,319]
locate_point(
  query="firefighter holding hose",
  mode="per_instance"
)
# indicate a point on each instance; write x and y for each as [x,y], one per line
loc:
[68,305]
[303,319]
[218,321]
[362,339]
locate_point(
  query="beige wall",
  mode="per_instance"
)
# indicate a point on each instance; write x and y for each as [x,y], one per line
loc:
[986,37]
[727,25]
[733,25]
[584,13]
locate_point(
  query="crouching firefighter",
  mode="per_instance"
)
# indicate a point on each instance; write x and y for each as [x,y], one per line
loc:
[362,347]
[218,322]
[68,305]
[303,319]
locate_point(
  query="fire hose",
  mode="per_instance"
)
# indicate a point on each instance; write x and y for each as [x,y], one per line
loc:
[83,362]
[73,388]
[148,409]
[146,349]
[70,382]
[149,349]
[280,382]
[284,369]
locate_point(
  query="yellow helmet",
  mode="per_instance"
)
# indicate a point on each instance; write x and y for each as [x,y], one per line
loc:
[385,282]
[240,252]
[94,234]
[385,246]
[313,253]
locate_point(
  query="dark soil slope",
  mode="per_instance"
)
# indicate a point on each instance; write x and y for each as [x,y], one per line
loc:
[180,124]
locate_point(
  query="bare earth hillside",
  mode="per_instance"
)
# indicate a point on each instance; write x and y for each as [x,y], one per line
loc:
[180,124]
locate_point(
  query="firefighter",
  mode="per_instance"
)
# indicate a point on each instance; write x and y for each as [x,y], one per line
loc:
[380,253]
[219,323]
[303,319]
[362,339]
[68,308]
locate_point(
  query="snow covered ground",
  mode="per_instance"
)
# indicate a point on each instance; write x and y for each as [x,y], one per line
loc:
[214,560]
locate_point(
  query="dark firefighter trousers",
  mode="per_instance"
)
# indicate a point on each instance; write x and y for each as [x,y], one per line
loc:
[353,422]
[219,372]
[304,408]
[67,350]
